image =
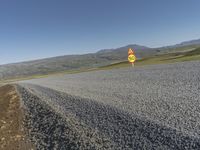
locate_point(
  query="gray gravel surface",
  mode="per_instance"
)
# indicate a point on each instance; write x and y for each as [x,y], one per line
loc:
[153,107]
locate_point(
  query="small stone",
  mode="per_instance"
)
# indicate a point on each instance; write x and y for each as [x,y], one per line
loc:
[3,127]
[3,121]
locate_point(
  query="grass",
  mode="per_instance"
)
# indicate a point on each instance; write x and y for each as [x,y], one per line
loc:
[175,56]
[7,81]
[160,59]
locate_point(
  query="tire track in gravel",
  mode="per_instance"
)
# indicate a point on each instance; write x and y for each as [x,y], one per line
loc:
[168,93]
[59,120]
[49,129]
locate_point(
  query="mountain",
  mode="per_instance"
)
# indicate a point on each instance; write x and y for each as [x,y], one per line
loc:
[51,65]
[75,62]
[69,62]
[192,42]
[181,47]
[140,51]
[134,46]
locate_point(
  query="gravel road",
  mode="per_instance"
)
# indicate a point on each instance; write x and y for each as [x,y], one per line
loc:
[152,107]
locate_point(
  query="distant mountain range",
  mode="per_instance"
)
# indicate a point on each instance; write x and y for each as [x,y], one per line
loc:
[187,43]
[85,61]
[143,51]
[182,44]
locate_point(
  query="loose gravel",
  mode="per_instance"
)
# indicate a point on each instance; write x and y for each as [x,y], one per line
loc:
[153,107]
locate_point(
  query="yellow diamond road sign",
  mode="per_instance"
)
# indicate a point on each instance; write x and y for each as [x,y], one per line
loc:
[131,58]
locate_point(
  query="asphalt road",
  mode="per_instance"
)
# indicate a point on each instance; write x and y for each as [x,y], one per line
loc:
[152,107]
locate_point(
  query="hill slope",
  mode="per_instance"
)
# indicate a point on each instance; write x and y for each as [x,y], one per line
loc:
[68,62]
[87,61]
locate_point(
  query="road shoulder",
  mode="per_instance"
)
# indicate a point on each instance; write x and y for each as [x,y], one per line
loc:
[12,133]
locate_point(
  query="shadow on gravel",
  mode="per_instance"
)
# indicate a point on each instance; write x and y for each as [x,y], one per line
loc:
[115,129]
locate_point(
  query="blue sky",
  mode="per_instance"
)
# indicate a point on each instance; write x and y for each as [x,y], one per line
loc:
[32,29]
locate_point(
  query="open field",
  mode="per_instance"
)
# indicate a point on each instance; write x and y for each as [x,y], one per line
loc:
[129,108]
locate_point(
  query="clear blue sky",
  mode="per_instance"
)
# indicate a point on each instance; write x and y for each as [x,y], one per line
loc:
[31,29]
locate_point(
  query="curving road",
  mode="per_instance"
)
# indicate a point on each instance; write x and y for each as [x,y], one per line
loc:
[152,107]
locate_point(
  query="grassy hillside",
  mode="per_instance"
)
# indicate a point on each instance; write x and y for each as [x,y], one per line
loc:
[94,61]
[69,63]
[160,59]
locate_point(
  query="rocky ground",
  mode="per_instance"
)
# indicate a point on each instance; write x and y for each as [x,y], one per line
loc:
[153,107]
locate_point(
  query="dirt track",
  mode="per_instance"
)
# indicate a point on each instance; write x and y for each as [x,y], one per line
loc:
[12,134]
